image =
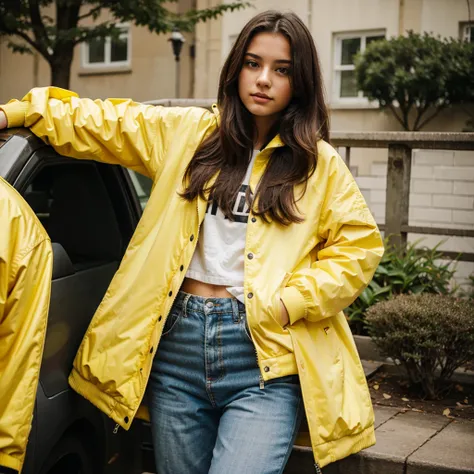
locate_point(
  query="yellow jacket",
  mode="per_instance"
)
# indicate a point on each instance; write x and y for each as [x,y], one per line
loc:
[26,263]
[318,267]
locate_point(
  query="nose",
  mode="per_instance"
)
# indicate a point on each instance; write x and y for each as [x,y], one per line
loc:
[263,80]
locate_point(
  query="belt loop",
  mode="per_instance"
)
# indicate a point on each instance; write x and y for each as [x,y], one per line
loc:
[235,310]
[185,304]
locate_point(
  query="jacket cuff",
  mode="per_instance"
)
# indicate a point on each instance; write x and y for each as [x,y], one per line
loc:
[15,112]
[10,463]
[294,302]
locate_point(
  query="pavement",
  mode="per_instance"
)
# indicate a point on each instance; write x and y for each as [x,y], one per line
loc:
[407,443]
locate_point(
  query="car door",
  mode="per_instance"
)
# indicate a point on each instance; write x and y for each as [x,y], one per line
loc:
[90,212]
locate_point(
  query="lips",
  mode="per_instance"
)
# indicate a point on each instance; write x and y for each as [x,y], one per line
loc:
[262,96]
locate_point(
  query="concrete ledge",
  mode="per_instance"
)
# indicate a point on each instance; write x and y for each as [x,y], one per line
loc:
[407,443]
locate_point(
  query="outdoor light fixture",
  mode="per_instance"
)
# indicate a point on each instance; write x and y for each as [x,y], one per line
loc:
[177,40]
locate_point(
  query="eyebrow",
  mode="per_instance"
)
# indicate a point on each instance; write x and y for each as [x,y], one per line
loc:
[256,56]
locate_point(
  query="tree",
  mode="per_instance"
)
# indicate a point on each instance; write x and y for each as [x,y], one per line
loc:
[56,37]
[417,76]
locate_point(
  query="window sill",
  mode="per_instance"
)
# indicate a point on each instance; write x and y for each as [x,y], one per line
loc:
[104,70]
[362,105]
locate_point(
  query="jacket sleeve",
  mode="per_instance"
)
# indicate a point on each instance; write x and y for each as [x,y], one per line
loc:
[116,131]
[22,334]
[351,251]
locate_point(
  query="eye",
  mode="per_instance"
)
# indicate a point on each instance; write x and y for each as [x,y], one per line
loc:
[284,71]
[251,64]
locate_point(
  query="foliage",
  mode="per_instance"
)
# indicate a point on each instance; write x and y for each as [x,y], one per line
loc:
[416,270]
[55,38]
[430,335]
[468,293]
[417,76]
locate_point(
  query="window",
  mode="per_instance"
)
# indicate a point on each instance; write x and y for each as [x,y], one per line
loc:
[143,187]
[468,32]
[108,52]
[80,218]
[346,46]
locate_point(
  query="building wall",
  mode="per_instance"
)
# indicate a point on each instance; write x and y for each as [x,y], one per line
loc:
[150,76]
[442,195]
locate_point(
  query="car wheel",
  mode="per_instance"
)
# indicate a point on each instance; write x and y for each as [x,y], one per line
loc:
[69,456]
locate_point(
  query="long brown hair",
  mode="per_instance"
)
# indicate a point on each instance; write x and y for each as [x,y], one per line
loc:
[228,148]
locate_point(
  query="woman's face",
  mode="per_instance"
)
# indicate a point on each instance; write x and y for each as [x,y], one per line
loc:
[264,80]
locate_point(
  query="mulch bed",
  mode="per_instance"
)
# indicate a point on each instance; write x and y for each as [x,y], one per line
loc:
[390,390]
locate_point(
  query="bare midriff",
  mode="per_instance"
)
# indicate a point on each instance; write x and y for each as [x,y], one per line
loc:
[207,290]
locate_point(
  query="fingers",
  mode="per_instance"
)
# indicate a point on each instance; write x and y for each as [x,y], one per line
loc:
[3,120]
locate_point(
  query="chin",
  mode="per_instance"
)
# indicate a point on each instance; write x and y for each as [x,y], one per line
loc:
[259,110]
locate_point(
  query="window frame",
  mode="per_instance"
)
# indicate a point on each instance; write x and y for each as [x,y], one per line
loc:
[108,63]
[467,30]
[347,102]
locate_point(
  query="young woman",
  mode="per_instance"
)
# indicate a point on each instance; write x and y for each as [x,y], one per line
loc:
[228,302]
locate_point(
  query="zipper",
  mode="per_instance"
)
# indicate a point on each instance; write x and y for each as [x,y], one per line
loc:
[317,468]
[117,426]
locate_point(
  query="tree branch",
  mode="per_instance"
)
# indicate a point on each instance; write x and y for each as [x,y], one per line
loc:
[91,12]
[37,23]
[431,117]
[394,111]
[32,43]
[420,112]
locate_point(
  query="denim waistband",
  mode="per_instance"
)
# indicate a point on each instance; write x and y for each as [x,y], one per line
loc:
[188,302]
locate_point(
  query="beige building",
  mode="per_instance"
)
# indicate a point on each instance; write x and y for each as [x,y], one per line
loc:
[140,65]
[340,28]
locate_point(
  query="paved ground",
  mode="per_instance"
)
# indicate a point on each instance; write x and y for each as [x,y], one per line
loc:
[407,443]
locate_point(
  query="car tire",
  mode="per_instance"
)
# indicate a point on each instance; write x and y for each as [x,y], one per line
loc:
[69,456]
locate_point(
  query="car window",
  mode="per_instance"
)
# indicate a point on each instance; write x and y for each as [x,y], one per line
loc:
[142,186]
[73,204]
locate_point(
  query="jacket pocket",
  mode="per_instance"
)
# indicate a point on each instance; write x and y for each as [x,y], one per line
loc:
[276,302]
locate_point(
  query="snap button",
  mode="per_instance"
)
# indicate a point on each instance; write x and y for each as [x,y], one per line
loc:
[126,419]
[160,318]
[181,268]
[266,368]
[254,219]
[191,238]
[250,256]
[151,350]
[170,293]
[210,304]
[250,296]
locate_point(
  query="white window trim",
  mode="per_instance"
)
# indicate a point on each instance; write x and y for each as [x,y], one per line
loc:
[108,64]
[466,31]
[349,102]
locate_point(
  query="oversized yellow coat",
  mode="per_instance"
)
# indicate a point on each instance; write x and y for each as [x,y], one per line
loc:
[317,267]
[26,263]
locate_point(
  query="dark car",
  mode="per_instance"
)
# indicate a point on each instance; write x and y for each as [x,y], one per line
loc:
[90,212]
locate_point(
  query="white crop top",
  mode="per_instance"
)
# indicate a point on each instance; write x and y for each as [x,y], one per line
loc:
[219,255]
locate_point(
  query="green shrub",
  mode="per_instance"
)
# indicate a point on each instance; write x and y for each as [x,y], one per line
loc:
[417,270]
[431,336]
[467,292]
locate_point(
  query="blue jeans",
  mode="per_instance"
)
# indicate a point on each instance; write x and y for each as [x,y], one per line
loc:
[209,411]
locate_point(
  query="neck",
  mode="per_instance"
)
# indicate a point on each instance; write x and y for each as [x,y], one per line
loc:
[263,124]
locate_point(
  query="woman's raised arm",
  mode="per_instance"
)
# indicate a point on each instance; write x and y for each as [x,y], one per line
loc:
[116,131]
